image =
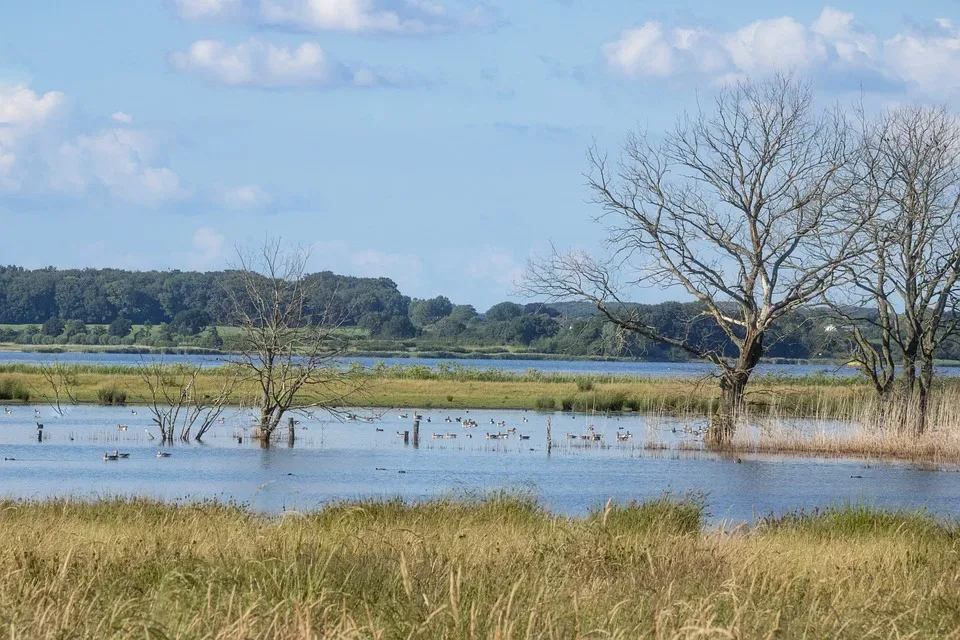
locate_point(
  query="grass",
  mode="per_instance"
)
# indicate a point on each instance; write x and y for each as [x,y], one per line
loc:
[489,567]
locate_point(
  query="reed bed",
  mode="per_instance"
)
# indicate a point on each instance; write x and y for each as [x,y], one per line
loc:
[492,567]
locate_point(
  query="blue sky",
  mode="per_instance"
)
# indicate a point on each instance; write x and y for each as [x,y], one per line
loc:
[436,142]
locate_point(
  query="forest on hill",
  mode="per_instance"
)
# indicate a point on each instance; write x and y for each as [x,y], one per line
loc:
[116,307]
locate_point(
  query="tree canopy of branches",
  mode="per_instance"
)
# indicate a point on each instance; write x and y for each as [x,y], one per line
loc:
[292,354]
[176,402]
[743,206]
[909,186]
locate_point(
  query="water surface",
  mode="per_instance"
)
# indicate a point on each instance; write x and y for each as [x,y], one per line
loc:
[348,460]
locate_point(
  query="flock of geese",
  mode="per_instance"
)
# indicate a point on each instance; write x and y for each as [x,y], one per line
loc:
[503,433]
[116,455]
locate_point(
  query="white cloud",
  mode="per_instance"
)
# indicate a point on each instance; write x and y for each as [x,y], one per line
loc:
[122,118]
[925,59]
[406,269]
[357,16]
[38,157]
[244,198]
[208,9]
[209,248]
[495,265]
[255,63]
[23,114]
[119,161]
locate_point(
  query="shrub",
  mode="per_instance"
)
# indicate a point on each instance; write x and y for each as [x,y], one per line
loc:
[546,402]
[111,395]
[566,404]
[584,384]
[14,390]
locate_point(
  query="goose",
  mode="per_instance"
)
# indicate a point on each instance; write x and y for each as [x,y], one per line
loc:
[379,429]
[404,416]
[469,435]
[401,433]
[571,436]
[7,411]
[39,425]
[523,437]
[450,435]
[437,436]
[513,430]
[110,456]
[121,427]
[120,455]
[133,412]
[163,454]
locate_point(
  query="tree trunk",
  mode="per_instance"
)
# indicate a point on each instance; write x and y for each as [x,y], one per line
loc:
[923,396]
[733,387]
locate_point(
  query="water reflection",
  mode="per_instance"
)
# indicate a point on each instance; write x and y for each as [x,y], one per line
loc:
[334,461]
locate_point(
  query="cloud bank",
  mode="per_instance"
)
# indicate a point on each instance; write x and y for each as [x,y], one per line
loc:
[924,58]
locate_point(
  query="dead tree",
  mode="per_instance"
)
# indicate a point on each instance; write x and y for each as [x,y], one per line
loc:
[290,351]
[742,206]
[909,165]
[60,380]
[178,405]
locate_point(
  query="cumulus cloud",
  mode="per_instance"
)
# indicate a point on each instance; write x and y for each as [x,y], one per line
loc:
[358,16]
[927,59]
[244,198]
[209,248]
[46,154]
[405,269]
[495,265]
[208,9]
[119,161]
[255,63]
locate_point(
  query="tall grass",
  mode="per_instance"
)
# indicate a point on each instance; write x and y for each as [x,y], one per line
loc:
[481,568]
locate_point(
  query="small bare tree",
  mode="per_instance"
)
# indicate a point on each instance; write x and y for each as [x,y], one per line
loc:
[744,207]
[909,166]
[291,352]
[176,403]
[60,379]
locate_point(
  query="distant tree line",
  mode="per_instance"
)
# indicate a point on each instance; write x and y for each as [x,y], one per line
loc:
[185,309]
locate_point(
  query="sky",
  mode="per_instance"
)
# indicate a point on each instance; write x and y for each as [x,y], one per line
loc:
[436,142]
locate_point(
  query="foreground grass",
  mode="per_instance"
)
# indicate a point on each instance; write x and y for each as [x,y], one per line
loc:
[493,568]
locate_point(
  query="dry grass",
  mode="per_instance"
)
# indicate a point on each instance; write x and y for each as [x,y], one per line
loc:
[493,568]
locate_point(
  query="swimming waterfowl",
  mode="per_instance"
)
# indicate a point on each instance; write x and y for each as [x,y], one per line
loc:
[117,453]
[121,427]
[110,456]
[163,454]
[523,437]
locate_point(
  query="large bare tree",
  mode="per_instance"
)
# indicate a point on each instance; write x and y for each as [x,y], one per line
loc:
[290,350]
[909,165]
[744,206]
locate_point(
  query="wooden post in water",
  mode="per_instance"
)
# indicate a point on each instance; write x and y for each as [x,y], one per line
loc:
[291,432]
[416,433]
[406,437]
[549,437]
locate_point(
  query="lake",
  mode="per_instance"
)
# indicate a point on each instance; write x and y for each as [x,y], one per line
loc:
[347,460]
[650,369]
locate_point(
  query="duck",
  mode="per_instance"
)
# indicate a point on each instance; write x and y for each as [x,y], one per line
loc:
[7,411]
[121,427]
[111,456]
[379,429]
[404,416]
[133,412]
[163,454]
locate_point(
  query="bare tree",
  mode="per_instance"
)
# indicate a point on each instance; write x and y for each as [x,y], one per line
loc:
[744,207]
[178,405]
[910,179]
[60,379]
[291,351]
